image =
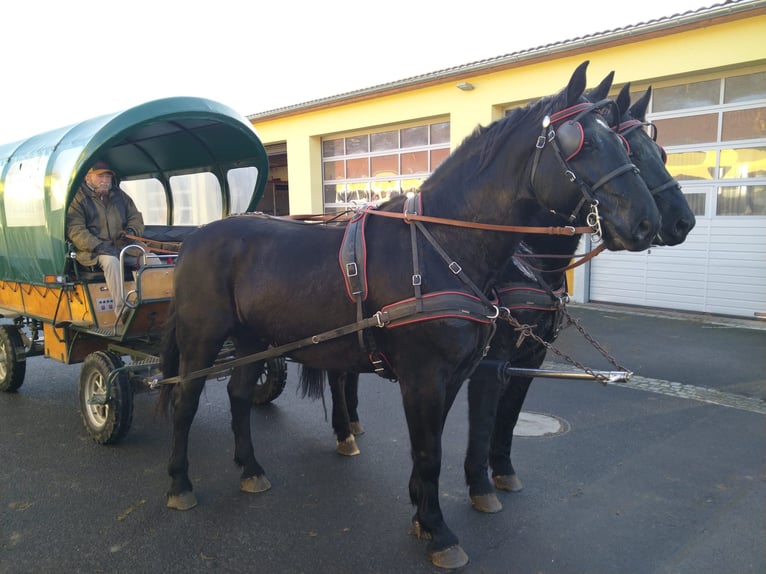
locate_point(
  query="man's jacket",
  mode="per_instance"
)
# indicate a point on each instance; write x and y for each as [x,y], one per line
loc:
[93,227]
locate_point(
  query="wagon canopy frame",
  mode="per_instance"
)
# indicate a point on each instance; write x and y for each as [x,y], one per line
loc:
[158,139]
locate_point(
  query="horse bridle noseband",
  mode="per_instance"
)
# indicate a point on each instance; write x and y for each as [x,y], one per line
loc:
[573,134]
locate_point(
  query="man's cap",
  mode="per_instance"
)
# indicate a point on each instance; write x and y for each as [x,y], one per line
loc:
[100,167]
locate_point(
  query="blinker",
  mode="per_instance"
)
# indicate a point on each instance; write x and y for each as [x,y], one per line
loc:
[570,137]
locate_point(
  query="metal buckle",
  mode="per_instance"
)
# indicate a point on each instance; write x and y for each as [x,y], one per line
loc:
[351,270]
[455,268]
[417,280]
[594,221]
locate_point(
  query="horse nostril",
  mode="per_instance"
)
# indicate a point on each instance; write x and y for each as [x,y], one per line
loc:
[645,230]
[683,226]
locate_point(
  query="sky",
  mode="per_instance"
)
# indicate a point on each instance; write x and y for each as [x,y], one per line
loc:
[68,61]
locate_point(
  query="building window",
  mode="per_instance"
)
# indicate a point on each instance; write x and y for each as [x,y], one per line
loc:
[373,167]
[715,132]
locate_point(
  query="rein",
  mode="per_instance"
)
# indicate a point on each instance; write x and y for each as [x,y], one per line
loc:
[583,259]
[567,230]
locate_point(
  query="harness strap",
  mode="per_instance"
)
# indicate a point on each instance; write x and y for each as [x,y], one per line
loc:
[565,230]
[453,265]
[435,306]
[410,208]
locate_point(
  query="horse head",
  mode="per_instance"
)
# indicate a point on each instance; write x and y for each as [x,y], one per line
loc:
[601,187]
[677,219]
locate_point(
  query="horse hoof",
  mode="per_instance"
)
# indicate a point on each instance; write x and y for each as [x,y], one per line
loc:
[488,503]
[347,447]
[509,482]
[183,501]
[357,428]
[254,484]
[450,558]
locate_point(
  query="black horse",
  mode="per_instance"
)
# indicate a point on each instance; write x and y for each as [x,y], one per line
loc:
[533,289]
[433,317]
[495,405]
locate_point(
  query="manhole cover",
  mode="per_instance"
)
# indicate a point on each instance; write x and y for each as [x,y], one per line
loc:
[538,424]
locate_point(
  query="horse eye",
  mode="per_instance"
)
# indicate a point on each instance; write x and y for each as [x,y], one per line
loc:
[663,155]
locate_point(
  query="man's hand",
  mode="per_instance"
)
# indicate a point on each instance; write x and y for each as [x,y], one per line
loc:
[106,248]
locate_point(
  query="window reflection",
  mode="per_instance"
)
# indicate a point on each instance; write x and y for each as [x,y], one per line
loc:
[385,162]
[741,200]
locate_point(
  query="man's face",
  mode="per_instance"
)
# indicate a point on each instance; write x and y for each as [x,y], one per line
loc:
[100,182]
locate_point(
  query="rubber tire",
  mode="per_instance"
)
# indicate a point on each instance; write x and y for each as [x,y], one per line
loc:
[272,381]
[106,424]
[12,367]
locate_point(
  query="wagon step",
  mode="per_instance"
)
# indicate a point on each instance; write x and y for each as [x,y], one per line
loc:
[503,370]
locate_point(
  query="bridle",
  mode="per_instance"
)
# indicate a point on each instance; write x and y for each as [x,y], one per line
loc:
[627,127]
[567,140]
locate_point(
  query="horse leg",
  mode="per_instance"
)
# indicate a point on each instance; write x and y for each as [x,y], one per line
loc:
[483,394]
[341,423]
[424,410]
[352,403]
[185,402]
[241,388]
[508,409]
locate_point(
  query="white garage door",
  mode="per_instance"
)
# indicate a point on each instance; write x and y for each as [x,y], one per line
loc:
[720,268]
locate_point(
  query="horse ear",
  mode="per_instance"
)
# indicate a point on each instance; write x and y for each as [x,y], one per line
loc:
[576,85]
[602,90]
[623,99]
[638,110]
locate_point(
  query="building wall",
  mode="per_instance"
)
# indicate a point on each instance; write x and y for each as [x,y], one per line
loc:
[657,60]
[689,52]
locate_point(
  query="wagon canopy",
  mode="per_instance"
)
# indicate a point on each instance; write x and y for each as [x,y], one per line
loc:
[157,149]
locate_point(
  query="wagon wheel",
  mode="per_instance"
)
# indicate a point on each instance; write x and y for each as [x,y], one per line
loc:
[13,363]
[272,381]
[105,423]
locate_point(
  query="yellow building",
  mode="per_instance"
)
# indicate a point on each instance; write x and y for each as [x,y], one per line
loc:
[707,69]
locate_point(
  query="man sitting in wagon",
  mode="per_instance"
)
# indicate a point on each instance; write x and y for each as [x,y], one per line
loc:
[97,221]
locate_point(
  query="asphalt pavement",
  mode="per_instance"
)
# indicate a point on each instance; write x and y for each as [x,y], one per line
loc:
[663,474]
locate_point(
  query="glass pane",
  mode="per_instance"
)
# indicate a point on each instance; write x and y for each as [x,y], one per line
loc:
[696,202]
[196,199]
[334,169]
[384,190]
[687,130]
[686,96]
[357,144]
[149,197]
[438,156]
[357,193]
[241,182]
[333,193]
[743,163]
[356,168]
[692,165]
[744,124]
[384,165]
[24,192]
[744,88]
[741,200]
[440,133]
[414,137]
[412,185]
[332,148]
[384,140]
[415,162]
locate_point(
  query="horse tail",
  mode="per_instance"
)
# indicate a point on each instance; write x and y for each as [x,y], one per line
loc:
[170,361]
[312,382]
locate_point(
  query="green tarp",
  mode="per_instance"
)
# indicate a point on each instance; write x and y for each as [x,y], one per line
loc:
[158,139]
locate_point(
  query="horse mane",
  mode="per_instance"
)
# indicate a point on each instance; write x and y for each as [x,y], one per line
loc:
[485,142]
